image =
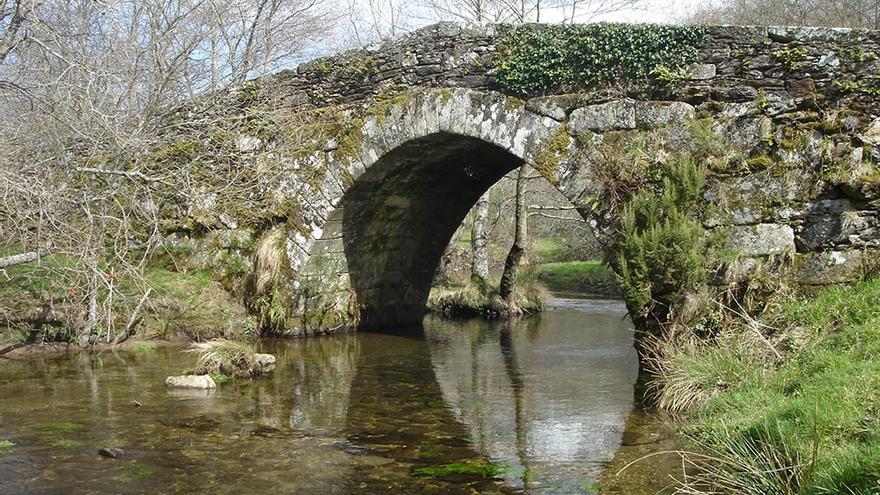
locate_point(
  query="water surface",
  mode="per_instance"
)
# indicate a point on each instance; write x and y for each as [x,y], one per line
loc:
[541,404]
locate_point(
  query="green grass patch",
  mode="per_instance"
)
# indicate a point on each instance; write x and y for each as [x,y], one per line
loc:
[806,424]
[591,277]
[144,348]
[460,469]
[66,443]
[59,426]
[220,378]
[137,470]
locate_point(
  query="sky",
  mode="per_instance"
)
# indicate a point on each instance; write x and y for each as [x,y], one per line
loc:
[411,18]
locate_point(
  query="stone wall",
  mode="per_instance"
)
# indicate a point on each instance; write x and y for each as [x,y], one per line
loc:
[786,120]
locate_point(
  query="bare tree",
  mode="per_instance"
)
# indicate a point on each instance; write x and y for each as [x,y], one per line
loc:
[94,80]
[479,241]
[834,13]
[520,240]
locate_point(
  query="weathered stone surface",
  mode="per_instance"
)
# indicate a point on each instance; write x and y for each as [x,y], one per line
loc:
[736,94]
[833,267]
[737,271]
[872,134]
[614,115]
[756,198]
[702,72]
[556,107]
[360,240]
[653,114]
[785,34]
[761,239]
[190,381]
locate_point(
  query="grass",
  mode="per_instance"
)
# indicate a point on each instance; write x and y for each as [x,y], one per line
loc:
[65,443]
[592,277]
[144,348]
[806,423]
[137,470]
[59,426]
[460,469]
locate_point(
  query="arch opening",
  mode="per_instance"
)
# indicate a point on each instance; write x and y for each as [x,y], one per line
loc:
[398,218]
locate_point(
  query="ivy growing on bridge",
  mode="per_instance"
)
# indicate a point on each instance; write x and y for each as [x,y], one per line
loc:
[536,59]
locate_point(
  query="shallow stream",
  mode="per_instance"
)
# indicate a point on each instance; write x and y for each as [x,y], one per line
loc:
[541,406]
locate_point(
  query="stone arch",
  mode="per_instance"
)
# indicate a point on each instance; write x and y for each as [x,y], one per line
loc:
[401,187]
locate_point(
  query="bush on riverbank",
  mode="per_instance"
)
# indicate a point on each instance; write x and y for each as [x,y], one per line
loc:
[792,407]
[43,303]
[588,277]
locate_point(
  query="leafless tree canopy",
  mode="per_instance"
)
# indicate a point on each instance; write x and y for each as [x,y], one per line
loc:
[82,84]
[833,13]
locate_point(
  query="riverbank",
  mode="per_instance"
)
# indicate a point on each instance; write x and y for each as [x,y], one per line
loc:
[23,351]
[788,404]
[589,277]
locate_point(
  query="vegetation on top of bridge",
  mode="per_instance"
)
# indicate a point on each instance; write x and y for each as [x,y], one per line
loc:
[536,59]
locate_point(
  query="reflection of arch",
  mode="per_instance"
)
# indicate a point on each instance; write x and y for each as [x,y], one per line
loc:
[397,190]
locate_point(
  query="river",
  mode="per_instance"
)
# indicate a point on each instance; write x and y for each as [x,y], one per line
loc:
[543,405]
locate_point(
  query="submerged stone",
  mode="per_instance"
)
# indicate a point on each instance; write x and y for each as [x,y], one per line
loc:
[111,453]
[190,381]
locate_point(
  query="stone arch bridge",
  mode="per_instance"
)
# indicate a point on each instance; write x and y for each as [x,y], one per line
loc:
[406,135]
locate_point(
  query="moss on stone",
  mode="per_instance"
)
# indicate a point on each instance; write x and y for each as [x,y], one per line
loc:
[759,162]
[554,150]
[382,107]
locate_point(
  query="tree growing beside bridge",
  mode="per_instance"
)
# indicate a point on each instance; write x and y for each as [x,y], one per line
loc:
[85,87]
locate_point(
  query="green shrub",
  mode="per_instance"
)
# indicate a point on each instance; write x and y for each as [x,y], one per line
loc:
[661,251]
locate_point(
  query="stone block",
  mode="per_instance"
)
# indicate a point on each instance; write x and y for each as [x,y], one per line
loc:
[823,224]
[761,239]
[655,113]
[833,267]
[614,115]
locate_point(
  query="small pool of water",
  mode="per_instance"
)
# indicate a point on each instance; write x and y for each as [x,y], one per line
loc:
[538,406]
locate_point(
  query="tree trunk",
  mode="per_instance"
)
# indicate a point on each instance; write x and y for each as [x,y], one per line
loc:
[479,251]
[92,315]
[520,236]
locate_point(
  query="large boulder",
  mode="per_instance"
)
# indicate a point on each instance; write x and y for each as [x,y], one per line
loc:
[190,381]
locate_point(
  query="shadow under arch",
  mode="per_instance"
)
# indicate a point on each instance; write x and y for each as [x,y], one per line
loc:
[399,216]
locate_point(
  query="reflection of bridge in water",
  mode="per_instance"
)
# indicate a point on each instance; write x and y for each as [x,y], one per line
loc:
[546,397]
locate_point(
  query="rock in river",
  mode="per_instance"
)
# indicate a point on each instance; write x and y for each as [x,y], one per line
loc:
[111,453]
[266,362]
[190,381]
